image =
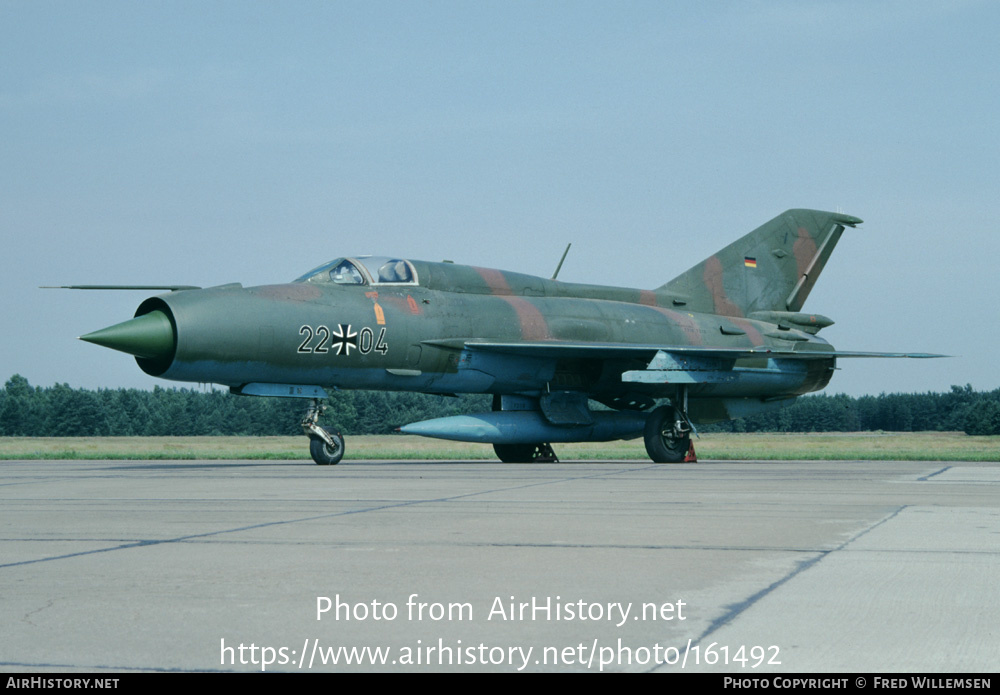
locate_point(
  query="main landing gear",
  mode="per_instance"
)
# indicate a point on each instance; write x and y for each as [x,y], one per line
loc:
[522,453]
[525,453]
[325,445]
[668,436]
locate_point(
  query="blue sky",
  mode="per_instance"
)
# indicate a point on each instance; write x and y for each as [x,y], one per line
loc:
[211,142]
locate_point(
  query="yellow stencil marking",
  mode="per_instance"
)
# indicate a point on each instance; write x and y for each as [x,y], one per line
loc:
[379,314]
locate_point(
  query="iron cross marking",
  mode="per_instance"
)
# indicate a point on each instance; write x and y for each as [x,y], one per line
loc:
[345,339]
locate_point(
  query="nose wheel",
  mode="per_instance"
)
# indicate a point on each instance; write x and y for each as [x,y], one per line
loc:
[325,454]
[326,446]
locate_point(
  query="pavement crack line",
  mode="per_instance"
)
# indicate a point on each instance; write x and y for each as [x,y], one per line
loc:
[382,507]
[925,478]
[734,610]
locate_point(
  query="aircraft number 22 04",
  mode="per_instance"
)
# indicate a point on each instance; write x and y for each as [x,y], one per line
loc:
[341,340]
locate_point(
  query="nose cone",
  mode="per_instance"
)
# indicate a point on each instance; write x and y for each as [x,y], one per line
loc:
[150,336]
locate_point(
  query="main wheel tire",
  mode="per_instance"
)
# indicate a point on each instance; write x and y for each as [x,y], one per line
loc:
[515,453]
[322,453]
[661,444]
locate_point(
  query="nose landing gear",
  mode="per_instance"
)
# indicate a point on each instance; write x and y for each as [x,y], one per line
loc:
[325,445]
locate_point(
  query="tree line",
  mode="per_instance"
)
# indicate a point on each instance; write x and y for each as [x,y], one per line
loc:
[59,410]
[961,409]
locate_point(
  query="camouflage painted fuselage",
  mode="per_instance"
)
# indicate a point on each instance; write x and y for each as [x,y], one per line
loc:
[423,335]
[413,338]
[726,338]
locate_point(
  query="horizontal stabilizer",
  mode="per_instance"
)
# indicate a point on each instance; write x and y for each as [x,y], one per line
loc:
[910,355]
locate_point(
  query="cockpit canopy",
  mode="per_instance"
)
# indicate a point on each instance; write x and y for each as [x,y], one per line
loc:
[363,270]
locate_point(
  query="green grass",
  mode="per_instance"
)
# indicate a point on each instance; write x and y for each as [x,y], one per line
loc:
[889,446]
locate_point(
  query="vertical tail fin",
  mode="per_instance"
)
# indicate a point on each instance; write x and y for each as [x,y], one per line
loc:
[773,268]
